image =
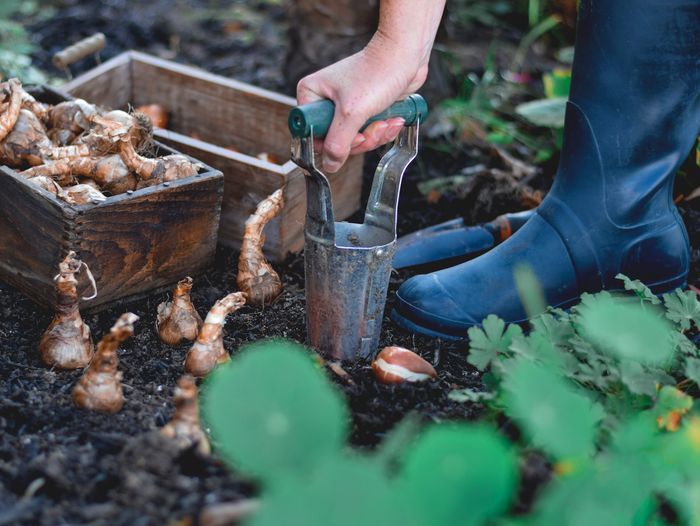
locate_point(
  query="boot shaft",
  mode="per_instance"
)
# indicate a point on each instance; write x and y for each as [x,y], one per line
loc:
[634,110]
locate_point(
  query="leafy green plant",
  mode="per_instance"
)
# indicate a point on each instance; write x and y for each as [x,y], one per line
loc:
[291,426]
[599,391]
[609,412]
[549,112]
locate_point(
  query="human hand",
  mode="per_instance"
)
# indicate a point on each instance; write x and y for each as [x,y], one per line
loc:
[361,86]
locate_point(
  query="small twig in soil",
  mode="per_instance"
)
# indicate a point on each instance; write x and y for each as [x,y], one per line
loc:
[32,488]
[228,513]
[436,358]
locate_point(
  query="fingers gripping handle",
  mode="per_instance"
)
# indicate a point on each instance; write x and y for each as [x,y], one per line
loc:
[317,116]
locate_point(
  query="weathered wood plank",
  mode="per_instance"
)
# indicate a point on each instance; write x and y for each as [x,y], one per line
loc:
[151,238]
[248,121]
[33,236]
[246,183]
[107,85]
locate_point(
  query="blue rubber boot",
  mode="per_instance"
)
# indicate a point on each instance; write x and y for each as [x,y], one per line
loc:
[632,118]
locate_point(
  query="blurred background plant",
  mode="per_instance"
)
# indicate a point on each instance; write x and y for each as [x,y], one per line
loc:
[16,45]
[517,101]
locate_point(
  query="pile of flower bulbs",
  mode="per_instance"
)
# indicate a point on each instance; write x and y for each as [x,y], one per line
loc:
[79,152]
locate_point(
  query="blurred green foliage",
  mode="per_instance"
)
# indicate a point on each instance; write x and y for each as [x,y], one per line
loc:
[15,43]
[605,406]
[486,109]
[506,105]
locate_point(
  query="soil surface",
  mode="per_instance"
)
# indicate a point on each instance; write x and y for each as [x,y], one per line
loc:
[61,465]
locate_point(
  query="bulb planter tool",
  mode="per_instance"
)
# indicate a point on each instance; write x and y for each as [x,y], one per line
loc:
[348,265]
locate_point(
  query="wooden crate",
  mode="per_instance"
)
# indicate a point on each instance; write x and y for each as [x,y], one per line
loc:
[221,112]
[133,242]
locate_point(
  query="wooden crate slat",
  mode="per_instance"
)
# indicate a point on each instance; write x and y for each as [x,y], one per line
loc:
[108,83]
[240,199]
[33,235]
[212,111]
[149,240]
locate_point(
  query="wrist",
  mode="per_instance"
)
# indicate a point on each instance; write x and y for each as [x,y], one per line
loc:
[398,49]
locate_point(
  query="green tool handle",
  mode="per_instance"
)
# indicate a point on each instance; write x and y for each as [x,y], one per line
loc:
[318,115]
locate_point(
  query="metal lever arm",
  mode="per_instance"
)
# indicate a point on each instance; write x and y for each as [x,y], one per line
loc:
[320,222]
[383,201]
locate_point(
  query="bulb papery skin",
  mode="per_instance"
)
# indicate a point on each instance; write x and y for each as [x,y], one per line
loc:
[100,387]
[178,319]
[208,351]
[184,427]
[67,343]
[256,277]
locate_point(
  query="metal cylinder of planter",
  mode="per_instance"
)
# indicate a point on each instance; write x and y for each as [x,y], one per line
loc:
[346,288]
[348,265]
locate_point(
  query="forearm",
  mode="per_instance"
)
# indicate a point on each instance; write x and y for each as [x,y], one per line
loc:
[393,65]
[408,27]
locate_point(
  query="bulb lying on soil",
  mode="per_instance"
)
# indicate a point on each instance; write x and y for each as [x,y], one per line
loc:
[208,351]
[184,427]
[66,343]
[178,319]
[256,277]
[396,365]
[100,388]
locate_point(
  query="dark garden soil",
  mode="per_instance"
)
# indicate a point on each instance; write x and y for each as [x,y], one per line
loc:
[60,465]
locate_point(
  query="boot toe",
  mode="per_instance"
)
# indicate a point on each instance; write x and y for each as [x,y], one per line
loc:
[449,302]
[424,301]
